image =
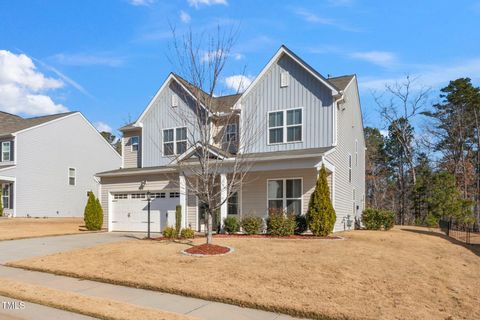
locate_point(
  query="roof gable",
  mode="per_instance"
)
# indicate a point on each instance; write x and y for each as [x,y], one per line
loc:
[10,124]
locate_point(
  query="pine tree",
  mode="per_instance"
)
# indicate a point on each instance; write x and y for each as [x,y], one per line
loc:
[321,215]
[93,214]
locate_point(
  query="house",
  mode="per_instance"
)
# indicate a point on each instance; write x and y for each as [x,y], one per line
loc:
[48,164]
[312,122]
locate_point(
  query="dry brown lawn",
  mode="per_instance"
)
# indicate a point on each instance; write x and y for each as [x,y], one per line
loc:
[19,228]
[400,274]
[95,307]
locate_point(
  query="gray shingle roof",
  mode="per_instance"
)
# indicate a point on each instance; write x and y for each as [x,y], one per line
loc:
[10,123]
[341,82]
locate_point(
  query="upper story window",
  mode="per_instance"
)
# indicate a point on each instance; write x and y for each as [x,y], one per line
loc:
[284,79]
[174,141]
[6,151]
[231,132]
[134,142]
[285,126]
[72,176]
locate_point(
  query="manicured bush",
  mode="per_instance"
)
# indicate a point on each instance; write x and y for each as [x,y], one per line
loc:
[321,215]
[280,224]
[376,219]
[230,224]
[301,224]
[93,214]
[187,233]
[170,233]
[252,224]
[178,219]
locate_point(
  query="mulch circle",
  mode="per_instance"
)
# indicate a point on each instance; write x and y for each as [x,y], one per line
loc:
[207,250]
[267,236]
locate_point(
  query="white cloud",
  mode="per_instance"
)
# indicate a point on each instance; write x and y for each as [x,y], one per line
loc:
[238,56]
[198,3]
[140,2]
[185,17]
[238,82]
[103,127]
[381,58]
[23,87]
[428,75]
[82,59]
[316,19]
[211,55]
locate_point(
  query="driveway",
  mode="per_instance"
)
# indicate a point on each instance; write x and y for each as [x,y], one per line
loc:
[28,248]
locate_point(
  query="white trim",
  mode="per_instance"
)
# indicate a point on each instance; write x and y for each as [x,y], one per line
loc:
[110,211]
[285,126]
[275,58]
[9,167]
[183,199]
[123,151]
[284,199]
[74,177]
[223,197]
[9,142]
[174,141]
[194,147]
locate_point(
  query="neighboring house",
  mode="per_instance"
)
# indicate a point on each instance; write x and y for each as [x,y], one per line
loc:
[48,164]
[304,120]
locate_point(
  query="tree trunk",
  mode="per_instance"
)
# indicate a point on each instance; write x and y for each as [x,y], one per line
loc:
[477,194]
[209,227]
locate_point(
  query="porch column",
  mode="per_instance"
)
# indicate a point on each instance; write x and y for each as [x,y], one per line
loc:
[183,199]
[223,195]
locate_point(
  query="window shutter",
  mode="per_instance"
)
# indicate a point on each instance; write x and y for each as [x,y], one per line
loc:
[174,100]
[284,79]
[11,150]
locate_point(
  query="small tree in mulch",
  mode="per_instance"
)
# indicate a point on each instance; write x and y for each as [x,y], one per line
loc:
[93,214]
[321,216]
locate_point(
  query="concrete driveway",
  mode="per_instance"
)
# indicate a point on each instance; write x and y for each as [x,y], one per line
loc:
[11,250]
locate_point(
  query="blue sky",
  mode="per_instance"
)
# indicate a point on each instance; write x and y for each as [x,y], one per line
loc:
[108,58]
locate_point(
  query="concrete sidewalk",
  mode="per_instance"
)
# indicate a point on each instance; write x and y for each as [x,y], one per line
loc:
[157,300]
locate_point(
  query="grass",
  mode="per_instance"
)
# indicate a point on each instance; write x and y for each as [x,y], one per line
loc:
[405,273]
[21,228]
[94,307]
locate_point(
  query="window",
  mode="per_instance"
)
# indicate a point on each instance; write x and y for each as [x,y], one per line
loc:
[174,141]
[72,176]
[157,195]
[285,194]
[174,194]
[284,79]
[6,196]
[350,168]
[139,195]
[134,143]
[280,131]
[356,152]
[6,153]
[119,196]
[233,204]
[231,132]
[174,100]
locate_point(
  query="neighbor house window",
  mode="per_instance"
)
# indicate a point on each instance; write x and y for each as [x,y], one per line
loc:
[72,176]
[174,100]
[285,126]
[349,168]
[285,194]
[284,79]
[134,142]
[231,132]
[139,196]
[6,153]
[119,196]
[233,204]
[6,196]
[174,194]
[174,141]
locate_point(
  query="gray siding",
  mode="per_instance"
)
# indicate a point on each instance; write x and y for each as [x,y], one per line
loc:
[304,91]
[131,159]
[350,127]
[44,155]
[162,116]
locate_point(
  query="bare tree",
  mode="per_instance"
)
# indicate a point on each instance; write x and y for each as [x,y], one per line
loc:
[212,158]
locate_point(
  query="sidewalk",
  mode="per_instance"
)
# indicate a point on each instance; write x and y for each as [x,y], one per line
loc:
[167,302]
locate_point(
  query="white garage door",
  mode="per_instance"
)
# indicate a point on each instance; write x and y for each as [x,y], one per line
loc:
[130,211]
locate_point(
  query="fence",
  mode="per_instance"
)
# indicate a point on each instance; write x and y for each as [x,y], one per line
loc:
[467,233]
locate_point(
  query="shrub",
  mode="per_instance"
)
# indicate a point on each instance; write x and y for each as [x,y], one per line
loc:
[252,225]
[178,219]
[280,224]
[170,233]
[230,225]
[301,224]
[93,214]
[187,233]
[376,219]
[321,215]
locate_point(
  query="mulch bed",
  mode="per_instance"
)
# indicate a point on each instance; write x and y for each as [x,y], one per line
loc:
[208,249]
[267,236]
